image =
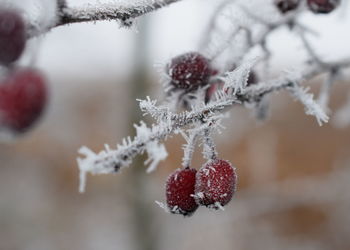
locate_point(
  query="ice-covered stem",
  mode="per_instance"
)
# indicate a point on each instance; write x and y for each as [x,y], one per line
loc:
[209,148]
[189,147]
[123,12]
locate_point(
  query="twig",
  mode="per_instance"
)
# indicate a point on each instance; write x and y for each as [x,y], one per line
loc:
[104,11]
[110,161]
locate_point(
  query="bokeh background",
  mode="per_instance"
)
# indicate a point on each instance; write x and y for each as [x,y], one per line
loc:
[294,176]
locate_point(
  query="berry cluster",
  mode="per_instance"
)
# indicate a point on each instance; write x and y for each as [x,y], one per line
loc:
[213,186]
[23,91]
[316,6]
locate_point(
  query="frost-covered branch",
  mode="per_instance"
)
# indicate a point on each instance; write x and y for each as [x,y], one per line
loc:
[148,139]
[123,12]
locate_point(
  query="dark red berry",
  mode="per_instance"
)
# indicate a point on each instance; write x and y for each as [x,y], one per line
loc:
[285,6]
[12,36]
[215,184]
[322,6]
[180,191]
[23,97]
[189,71]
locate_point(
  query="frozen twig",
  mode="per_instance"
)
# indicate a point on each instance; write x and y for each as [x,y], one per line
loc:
[123,12]
[168,123]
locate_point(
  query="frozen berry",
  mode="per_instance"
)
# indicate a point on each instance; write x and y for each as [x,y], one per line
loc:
[23,96]
[180,191]
[322,6]
[12,36]
[189,71]
[285,6]
[215,184]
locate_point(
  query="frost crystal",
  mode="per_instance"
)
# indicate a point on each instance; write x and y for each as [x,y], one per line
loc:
[311,107]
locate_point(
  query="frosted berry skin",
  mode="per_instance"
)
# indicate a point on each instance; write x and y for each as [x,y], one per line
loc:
[322,6]
[215,184]
[12,36]
[285,6]
[180,191]
[189,71]
[23,97]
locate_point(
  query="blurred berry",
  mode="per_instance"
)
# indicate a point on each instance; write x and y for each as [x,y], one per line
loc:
[23,95]
[12,36]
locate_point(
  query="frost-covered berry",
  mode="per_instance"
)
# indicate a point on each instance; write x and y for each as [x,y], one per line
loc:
[180,191]
[189,71]
[215,184]
[12,36]
[322,6]
[23,97]
[285,6]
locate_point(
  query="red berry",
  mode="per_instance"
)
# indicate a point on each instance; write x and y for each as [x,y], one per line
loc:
[215,184]
[180,191]
[189,71]
[12,36]
[22,99]
[285,6]
[322,6]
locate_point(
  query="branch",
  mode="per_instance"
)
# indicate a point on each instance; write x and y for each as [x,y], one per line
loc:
[168,123]
[124,12]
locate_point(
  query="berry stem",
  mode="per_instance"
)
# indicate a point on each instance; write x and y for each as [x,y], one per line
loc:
[209,148]
[189,148]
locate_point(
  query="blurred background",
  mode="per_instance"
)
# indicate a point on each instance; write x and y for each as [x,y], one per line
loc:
[294,176]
